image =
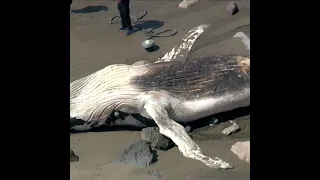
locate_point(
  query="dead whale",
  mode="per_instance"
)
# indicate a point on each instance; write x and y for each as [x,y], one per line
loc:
[169,93]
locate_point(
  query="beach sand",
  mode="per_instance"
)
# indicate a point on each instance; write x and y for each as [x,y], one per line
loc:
[95,43]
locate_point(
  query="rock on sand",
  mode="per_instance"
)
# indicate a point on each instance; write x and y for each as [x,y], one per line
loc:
[157,140]
[242,150]
[232,8]
[187,3]
[139,154]
[231,129]
[73,157]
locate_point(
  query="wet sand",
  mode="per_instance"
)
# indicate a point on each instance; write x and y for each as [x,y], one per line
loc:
[95,44]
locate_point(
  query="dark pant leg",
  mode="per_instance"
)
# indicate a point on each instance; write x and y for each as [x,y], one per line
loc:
[125,11]
[121,10]
[127,15]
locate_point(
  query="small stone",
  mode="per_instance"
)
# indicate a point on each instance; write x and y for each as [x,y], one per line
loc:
[116,114]
[157,140]
[187,3]
[73,157]
[242,150]
[233,8]
[187,128]
[213,122]
[139,154]
[231,129]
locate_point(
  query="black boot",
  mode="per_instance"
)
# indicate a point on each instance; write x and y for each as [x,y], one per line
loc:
[130,31]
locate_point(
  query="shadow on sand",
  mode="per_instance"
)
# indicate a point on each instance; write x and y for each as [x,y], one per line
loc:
[222,117]
[90,9]
[148,26]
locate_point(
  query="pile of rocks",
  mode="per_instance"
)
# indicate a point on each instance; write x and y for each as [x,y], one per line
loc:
[143,153]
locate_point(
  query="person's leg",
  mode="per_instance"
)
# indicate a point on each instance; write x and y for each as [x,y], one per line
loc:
[127,18]
[123,20]
[127,15]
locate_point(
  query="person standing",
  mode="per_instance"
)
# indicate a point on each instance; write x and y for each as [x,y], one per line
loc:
[124,10]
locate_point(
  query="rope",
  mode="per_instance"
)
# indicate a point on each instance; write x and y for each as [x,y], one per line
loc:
[150,33]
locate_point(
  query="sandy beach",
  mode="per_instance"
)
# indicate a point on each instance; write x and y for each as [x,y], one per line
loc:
[95,44]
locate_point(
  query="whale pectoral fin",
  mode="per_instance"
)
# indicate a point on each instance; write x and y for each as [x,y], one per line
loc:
[181,52]
[180,137]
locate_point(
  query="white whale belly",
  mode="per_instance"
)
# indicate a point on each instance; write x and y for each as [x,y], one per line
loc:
[192,110]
